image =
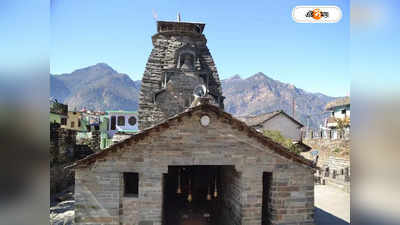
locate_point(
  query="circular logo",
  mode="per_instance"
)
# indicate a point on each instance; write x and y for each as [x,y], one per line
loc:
[317,14]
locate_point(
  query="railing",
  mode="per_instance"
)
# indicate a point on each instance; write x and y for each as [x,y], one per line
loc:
[327,134]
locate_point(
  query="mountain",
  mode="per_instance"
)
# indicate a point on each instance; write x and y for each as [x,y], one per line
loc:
[260,94]
[97,87]
[100,87]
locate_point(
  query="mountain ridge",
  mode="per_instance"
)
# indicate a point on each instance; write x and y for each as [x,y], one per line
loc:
[100,87]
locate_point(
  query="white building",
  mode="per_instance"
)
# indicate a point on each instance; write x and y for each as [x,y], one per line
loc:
[122,122]
[277,121]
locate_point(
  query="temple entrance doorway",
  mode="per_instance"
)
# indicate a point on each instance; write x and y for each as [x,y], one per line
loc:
[201,195]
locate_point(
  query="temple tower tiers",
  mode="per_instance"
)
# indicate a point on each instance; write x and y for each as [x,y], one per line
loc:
[179,62]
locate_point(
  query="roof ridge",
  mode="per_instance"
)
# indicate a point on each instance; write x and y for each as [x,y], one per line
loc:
[274,146]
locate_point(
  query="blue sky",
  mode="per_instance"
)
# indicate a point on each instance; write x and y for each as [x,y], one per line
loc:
[244,37]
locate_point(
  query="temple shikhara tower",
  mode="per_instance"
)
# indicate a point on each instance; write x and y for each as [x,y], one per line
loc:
[179,62]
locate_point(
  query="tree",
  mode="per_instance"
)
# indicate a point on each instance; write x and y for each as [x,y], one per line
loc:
[276,136]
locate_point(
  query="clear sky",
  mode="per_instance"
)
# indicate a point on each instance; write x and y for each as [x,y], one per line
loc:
[244,37]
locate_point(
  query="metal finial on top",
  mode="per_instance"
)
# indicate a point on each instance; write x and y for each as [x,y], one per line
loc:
[178,17]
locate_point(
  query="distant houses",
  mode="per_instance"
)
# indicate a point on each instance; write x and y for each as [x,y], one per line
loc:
[337,125]
[278,121]
[98,130]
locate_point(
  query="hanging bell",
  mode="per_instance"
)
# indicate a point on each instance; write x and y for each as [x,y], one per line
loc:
[208,194]
[215,189]
[189,198]
[179,190]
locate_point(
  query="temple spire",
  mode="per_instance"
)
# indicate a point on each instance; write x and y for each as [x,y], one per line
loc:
[178,17]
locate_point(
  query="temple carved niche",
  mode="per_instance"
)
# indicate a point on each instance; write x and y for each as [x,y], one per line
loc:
[179,62]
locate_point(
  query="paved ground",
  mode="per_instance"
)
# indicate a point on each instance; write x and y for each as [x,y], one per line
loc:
[332,206]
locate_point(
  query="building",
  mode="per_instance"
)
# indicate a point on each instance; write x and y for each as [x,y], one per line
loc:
[58,112]
[337,125]
[179,62]
[147,178]
[122,121]
[191,163]
[278,121]
[74,122]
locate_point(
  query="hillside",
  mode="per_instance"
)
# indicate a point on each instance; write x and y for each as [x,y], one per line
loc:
[100,87]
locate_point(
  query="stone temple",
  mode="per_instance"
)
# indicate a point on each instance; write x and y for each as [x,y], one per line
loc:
[179,62]
[191,163]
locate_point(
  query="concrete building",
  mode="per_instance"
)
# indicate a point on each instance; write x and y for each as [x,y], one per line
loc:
[122,121]
[340,109]
[278,121]
[74,121]
[58,112]
[339,113]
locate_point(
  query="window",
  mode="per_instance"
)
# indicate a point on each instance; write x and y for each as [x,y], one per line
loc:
[72,124]
[63,121]
[131,184]
[79,123]
[132,121]
[121,120]
[113,122]
[343,111]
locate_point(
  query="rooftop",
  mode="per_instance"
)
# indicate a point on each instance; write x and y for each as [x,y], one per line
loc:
[338,102]
[256,120]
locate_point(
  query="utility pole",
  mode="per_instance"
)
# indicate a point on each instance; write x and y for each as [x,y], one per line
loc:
[293,107]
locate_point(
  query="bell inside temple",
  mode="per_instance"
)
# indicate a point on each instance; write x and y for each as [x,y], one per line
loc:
[194,192]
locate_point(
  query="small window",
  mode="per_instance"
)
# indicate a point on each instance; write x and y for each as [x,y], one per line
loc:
[132,121]
[343,111]
[63,121]
[121,120]
[131,184]
[113,123]
[72,124]
[79,123]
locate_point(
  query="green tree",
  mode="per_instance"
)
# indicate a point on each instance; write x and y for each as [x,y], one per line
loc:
[276,136]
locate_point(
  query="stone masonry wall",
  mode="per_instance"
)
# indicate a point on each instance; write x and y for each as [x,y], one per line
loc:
[98,187]
[164,58]
[339,148]
[231,197]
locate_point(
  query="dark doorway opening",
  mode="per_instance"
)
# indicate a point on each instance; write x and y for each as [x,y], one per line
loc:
[201,195]
[266,199]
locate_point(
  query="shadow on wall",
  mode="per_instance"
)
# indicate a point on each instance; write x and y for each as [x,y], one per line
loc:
[324,218]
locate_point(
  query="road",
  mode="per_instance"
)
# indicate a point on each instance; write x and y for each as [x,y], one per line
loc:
[332,206]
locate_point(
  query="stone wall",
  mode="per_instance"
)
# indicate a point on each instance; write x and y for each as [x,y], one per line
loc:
[186,142]
[231,197]
[339,148]
[167,86]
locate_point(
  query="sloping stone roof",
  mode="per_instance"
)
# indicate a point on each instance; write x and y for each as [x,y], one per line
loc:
[222,115]
[259,119]
[338,102]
